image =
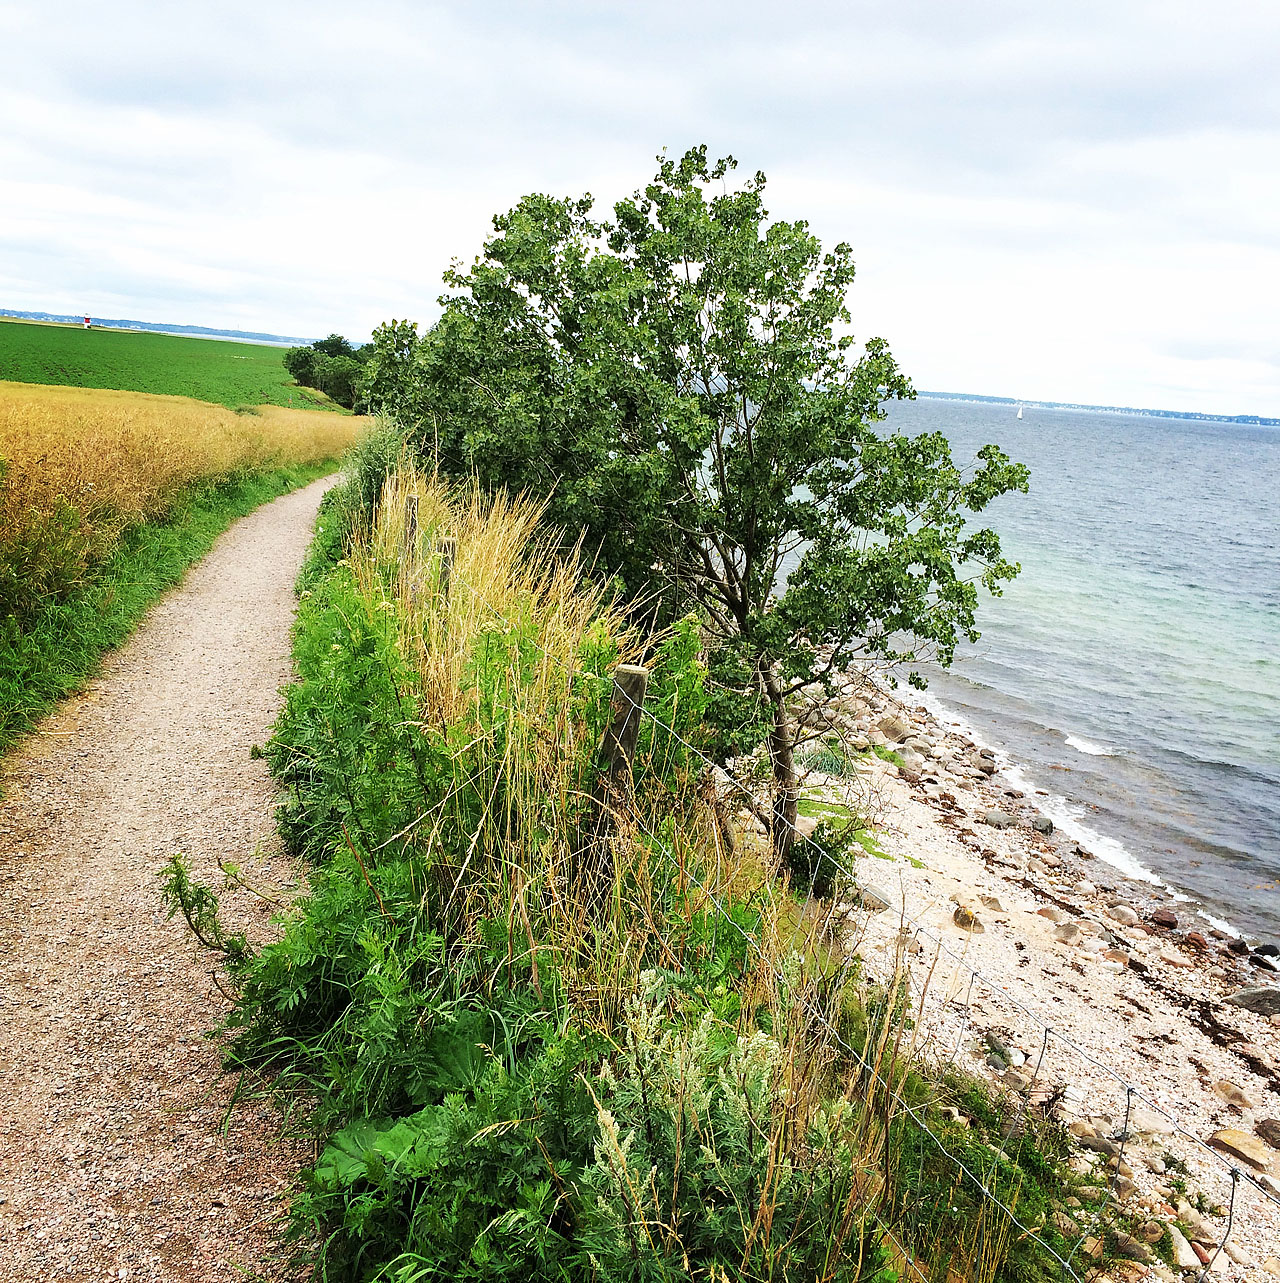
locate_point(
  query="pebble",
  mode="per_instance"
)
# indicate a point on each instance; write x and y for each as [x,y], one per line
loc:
[1232,1094]
[1164,918]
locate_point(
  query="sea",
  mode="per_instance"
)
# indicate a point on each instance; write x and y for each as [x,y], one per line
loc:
[1132,670]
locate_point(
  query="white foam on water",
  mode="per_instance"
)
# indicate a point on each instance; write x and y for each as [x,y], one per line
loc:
[1066,815]
[1069,818]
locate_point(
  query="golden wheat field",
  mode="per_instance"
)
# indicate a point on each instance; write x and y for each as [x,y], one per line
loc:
[78,466]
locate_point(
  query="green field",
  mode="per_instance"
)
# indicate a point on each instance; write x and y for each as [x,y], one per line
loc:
[231,374]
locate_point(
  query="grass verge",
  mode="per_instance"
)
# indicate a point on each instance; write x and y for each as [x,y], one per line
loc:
[556,1032]
[51,655]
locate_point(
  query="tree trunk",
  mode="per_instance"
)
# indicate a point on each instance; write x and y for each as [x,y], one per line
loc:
[786,791]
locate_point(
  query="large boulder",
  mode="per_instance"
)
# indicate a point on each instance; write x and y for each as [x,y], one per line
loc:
[1248,1149]
[894,728]
[1265,1001]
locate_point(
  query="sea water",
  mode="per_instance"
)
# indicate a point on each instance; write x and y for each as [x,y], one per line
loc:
[1132,670]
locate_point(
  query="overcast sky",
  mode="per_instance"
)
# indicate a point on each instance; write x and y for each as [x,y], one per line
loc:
[1062,201]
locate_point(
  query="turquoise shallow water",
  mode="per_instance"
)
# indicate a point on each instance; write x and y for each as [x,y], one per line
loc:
[1133,669]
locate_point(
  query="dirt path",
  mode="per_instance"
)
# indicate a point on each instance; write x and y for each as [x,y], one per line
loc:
[113,1159]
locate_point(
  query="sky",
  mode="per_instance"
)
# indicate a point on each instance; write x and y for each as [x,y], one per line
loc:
[1074,202]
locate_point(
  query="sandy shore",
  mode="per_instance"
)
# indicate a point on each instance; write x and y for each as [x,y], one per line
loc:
[1076,967]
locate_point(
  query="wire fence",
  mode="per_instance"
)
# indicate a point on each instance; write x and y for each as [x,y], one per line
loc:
[947,1021]
[1103,1108]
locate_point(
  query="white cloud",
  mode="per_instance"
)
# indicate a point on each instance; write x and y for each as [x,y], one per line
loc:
[1050,201]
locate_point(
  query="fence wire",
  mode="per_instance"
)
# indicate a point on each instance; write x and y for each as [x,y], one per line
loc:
[999,994]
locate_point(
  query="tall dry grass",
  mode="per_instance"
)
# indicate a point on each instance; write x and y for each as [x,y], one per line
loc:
[80,466]
[499,630]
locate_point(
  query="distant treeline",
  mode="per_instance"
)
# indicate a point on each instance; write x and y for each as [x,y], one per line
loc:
[1106,409]
[334,366]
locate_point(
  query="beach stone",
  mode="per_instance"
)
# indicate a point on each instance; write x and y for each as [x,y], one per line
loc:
[1183,1257]
[1054,915]
[1248,1149]
[1238,945]
[1268,950]
[1068,933]
[1197,939]
[1085,887]
[1263,1001]
[1196,1225]
[992,902]
[1130,1248]
[806,825]
[965,918]
[1000,820]
[1042,824]
[893,728]
[1146,1122]
[1269,1130]
[1272,1266]
[1099,1144]
[1172,958]
[1232,1094]
[1124,915]
[866,895]
[1163,917]
[1262,962]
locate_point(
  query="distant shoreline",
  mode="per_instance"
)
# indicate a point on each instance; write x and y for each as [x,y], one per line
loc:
[157,327]
[1249,420]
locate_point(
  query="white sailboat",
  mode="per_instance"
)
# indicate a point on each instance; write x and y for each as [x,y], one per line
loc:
[1019,409]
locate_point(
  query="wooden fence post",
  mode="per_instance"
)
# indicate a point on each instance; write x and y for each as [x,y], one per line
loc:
[409,552]
[411,524]
[613,787]
[618,750]
[448,550]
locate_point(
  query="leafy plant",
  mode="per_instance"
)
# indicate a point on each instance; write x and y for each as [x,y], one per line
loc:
[198,905]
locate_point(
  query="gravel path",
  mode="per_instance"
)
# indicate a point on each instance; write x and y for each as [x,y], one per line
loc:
[114,1158]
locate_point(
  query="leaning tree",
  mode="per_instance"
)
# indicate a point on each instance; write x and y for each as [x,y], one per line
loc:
[680,383]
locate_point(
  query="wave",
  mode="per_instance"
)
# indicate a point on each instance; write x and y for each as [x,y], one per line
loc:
[1094,750]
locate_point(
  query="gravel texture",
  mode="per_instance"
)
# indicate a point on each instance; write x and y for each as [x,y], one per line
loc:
[122,1154]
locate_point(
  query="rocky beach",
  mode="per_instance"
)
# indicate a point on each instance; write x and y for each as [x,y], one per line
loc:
[1102,1001]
